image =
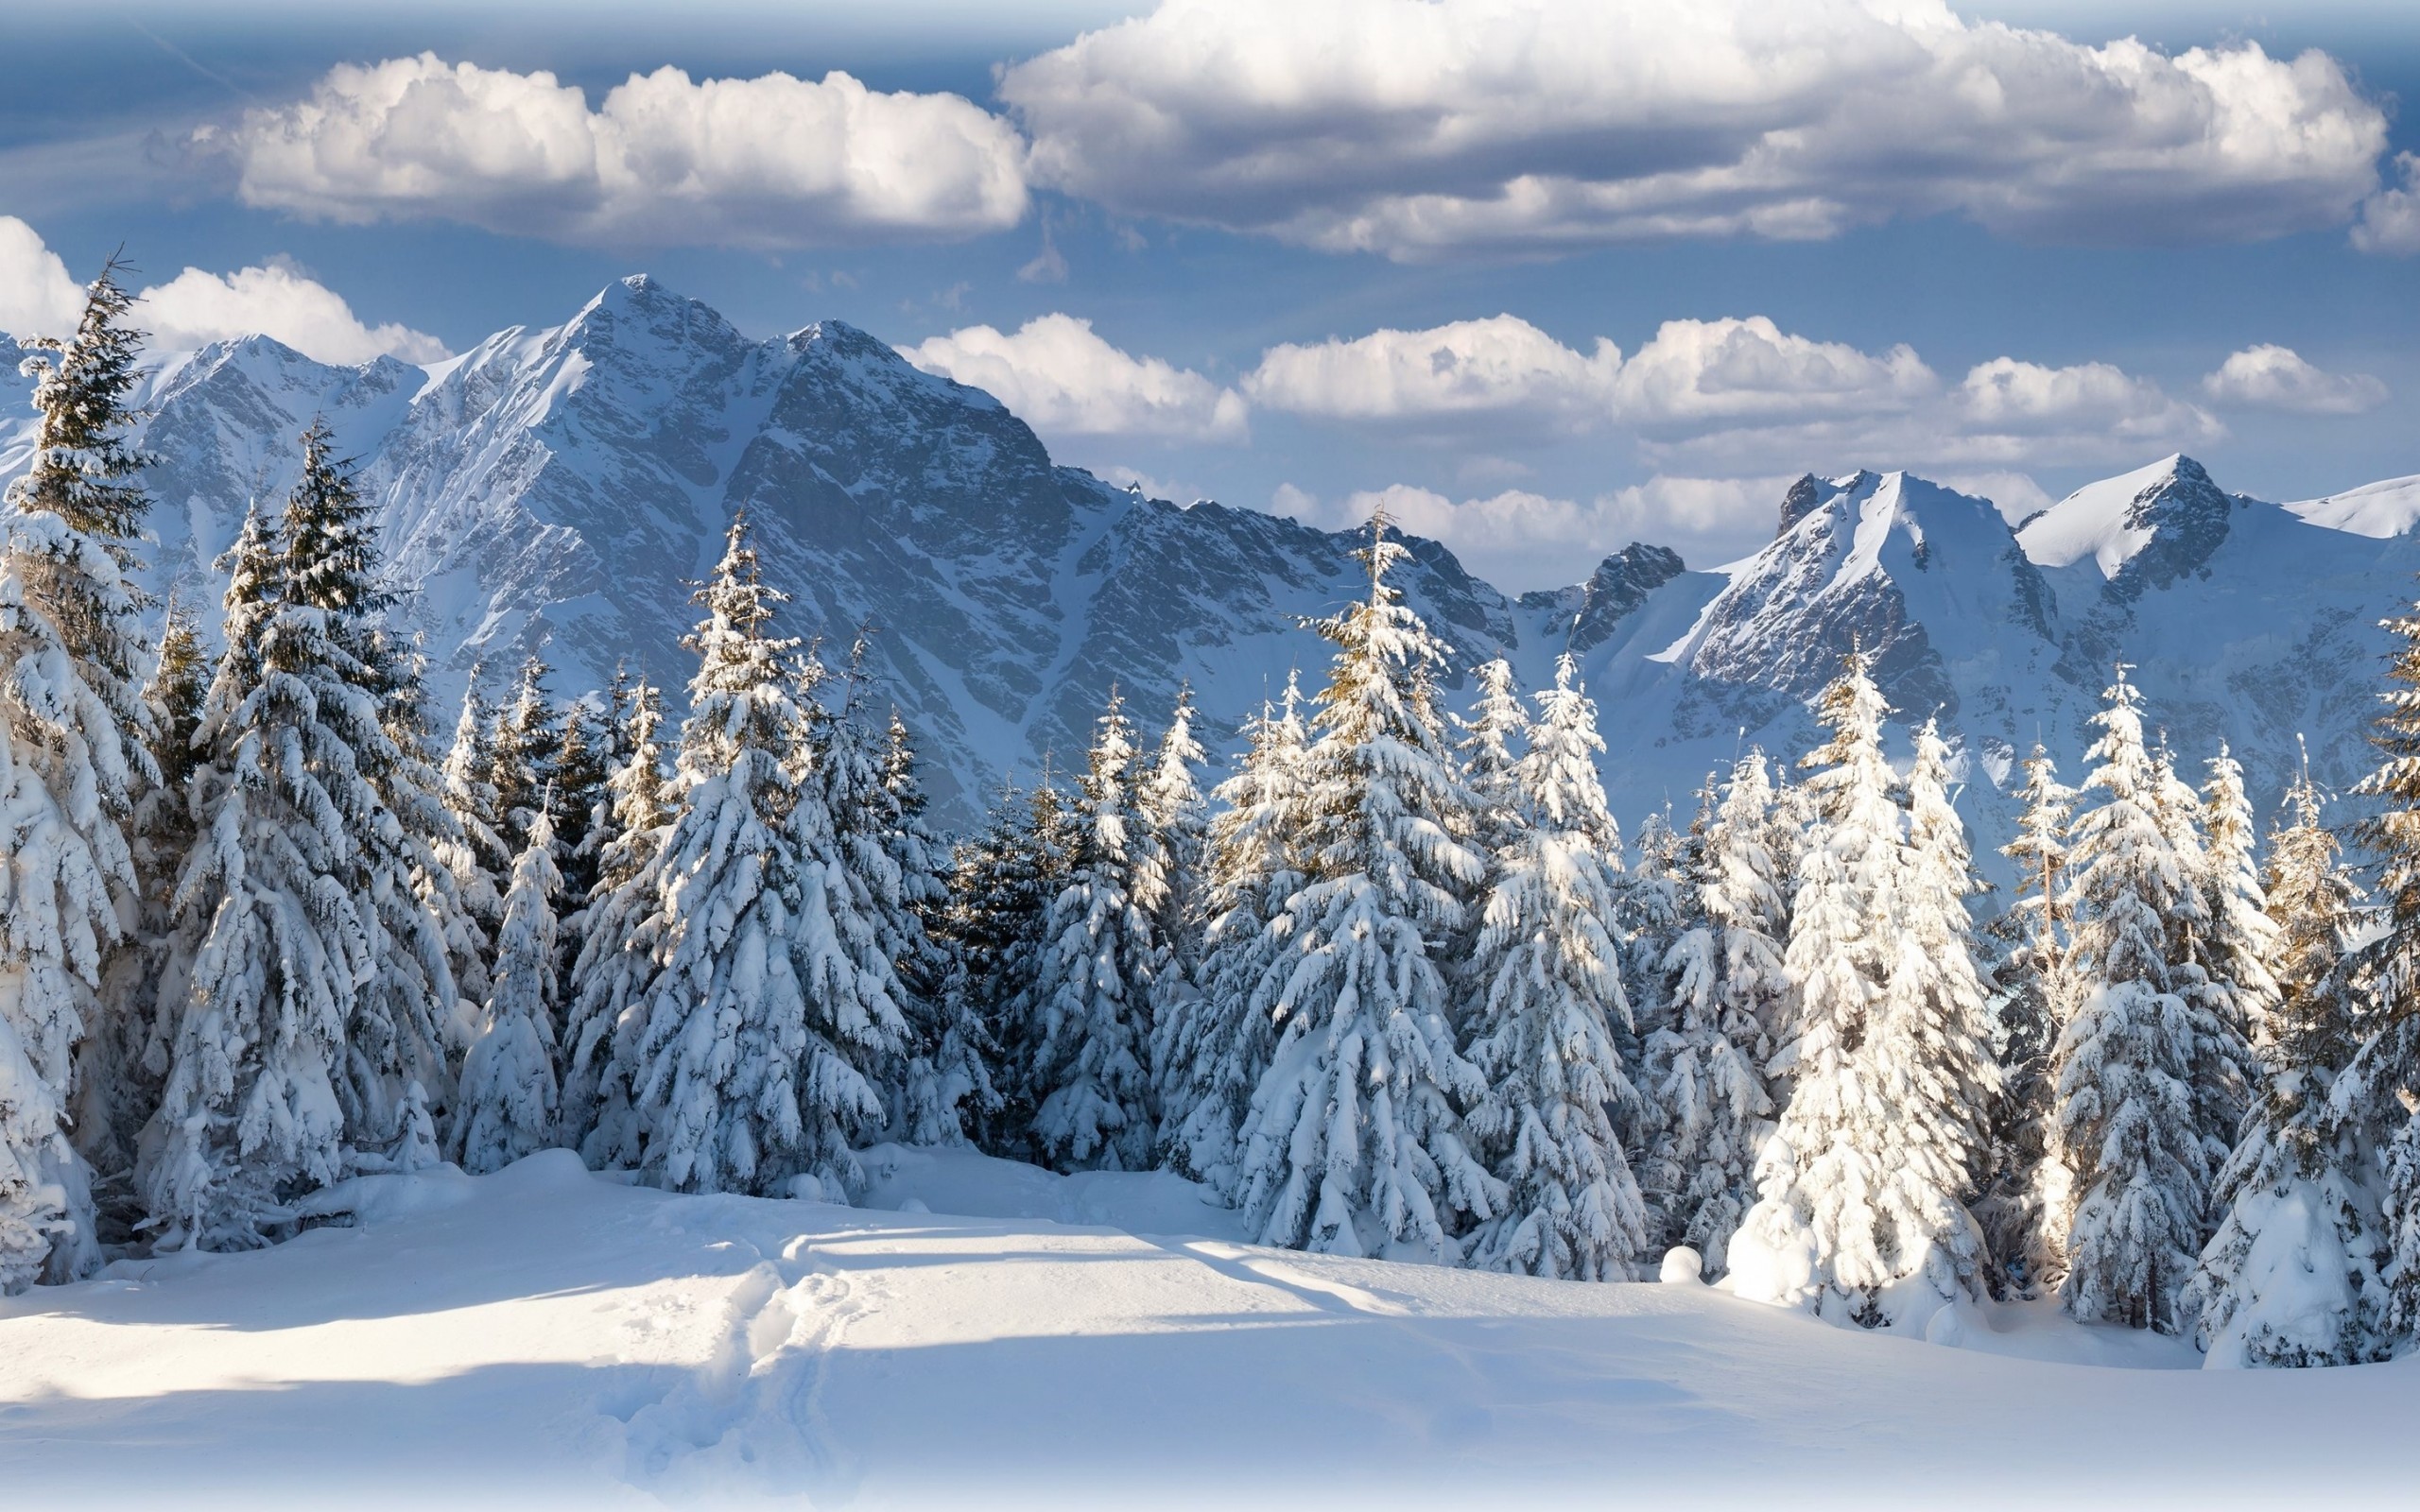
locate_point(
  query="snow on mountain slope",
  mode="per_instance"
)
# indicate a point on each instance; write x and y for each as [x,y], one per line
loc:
[2377,511]
[545,1336]
[2109,521]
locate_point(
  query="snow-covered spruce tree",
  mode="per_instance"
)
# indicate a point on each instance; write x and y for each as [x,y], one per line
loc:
[508,1100]
[72,763]
[120,1063]
[2025,1179]
[620,948]
[2291,1277]
[475,856]
[1176,821]
[1704,1071]
[1002,881]
[2137,1178]
[1493,736]
[529,737]
[766,1016]
[1354,1144]
[269,947]
[1658,913]
[404,1021]
[948,1084]
[1545,988]
[577,796]
[2380,1093]
[2221,1046]
[1212,1048]
[1861,1210]
[2243,939]
[1092,1080]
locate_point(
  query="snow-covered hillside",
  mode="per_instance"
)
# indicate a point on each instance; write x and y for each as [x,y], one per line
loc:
[558,490]
[545,1336]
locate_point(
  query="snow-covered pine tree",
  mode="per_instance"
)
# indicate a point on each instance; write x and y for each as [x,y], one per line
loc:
[1002,881]
[1545,991]
[1493,736]
[769,1010]
[577,797]
[404,1021]
[529,737]
[270,946]
[1175,825]
[2137,1178]
[508,1101]
[1212,1048]
[2291,1277]
[120,1063]
[2026,1180]
[2380,1091]
[1099,955]
[2243,939]
[1658,913]
[73,761]
[1859,1214]
[2221,1047]
[474,853]
[621,945]
[1704,1071]
[1355,1144]
[948,1085]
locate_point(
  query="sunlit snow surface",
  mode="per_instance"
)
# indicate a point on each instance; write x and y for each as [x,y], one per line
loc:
[546,1337]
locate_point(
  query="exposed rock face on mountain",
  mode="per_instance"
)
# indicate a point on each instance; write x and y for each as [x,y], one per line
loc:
[555,490]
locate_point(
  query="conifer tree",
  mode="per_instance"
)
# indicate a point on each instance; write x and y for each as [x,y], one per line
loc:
[509,1103]
[403,1020]
[769,1011]
[2291,1277]
[2137,1178]
[1212,1048]
[529,737]
[2221,1047]
[1859,1214]
[1703,1070]
[621,945]
[1547,986]
[1175,825]
[1355,1144]
[1658,915]
[120,1063]
[2026,1180]
[476,857]
[269,947]
[1092,989]
[2380,1093]
[73,762]
[948,1083]
[2243,939]
[1493,736]
[578,801]
[1002,883]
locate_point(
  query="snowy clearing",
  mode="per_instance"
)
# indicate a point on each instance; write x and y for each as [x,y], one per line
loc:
[546,1337]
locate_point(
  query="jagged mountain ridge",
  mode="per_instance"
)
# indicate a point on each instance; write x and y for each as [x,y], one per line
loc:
[557,489]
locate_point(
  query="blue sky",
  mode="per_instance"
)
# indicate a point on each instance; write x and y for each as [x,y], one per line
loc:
[1639,262]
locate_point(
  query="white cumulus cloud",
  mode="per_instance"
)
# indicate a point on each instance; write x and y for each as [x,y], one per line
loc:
[1696,371]
[771,162]
[2273,377]
[2390,220]
[1521,540]
[1057,374]
[1426,128]
[195,307]
[1489,369]
[38,296]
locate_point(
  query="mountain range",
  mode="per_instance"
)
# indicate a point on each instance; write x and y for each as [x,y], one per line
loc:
[557,490]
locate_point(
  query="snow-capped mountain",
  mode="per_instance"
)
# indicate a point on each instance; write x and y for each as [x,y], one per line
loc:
[557,489]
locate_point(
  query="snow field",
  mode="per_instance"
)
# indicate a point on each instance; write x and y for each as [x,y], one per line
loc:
[545,1336]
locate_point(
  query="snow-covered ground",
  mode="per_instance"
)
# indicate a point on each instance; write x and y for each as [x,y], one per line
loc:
[547,1336]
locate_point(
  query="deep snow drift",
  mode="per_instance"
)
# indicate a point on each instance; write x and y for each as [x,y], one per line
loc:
[548,1336]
